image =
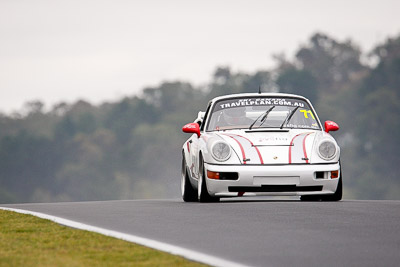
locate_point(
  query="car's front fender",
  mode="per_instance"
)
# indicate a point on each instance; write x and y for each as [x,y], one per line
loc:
[205,146]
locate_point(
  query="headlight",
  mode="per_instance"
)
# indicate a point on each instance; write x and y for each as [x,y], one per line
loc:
[327,150]
[221,151]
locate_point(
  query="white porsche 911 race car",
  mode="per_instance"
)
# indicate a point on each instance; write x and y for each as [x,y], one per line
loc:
[260,144]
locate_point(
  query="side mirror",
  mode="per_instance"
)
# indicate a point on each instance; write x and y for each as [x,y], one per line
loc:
[331,126]
[192,128]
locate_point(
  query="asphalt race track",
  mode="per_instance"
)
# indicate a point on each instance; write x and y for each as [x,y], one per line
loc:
[254,232]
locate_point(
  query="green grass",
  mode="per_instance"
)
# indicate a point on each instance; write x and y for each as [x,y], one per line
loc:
[26,240]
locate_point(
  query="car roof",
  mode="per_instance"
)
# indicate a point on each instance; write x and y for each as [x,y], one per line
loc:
[243,95]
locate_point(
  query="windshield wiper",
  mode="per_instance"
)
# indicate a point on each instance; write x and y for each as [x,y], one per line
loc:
[289,116]
[264,117]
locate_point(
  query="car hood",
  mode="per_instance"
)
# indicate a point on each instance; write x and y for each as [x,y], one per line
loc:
[273,147]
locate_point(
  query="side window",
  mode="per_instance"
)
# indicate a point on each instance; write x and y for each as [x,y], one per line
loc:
[205,117]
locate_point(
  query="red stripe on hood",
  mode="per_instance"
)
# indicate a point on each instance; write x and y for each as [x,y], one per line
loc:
[290,148]
[258,151]
[241,148]
[304,147]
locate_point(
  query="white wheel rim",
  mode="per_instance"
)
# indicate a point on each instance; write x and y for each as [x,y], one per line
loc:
[183,181]
[199,185]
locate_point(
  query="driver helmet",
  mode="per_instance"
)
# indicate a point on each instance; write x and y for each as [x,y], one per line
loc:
[234,116]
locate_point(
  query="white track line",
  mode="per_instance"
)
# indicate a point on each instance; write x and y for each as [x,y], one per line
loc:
[186,253]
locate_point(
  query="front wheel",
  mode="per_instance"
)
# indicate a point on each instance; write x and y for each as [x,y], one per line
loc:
[337,196]
[203,194]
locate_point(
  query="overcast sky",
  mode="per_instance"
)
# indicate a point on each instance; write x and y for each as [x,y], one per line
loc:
[103,50]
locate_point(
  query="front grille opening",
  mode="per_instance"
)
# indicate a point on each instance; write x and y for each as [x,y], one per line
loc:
[228,175]
[319,175]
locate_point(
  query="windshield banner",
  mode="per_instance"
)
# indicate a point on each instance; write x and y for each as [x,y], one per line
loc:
[233,103]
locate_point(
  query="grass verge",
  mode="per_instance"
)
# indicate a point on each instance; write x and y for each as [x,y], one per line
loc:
[26,240]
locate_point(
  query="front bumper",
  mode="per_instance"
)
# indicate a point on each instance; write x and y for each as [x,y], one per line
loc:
[277,180]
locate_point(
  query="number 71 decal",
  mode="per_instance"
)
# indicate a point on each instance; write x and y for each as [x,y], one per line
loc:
[305,113]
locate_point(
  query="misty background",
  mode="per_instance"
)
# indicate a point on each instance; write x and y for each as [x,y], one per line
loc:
[107,87]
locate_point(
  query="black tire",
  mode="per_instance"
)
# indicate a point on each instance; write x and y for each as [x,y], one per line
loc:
[189,194]
[337,196]
[203,194]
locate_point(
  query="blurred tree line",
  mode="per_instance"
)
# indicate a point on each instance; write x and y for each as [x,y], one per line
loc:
[132,148]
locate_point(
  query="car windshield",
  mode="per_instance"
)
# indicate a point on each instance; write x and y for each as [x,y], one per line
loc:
[261,112]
